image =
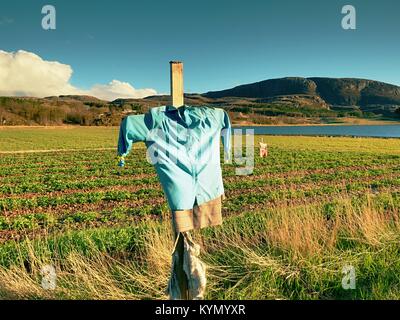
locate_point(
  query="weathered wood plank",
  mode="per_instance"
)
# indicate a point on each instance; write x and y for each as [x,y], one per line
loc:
[177,83]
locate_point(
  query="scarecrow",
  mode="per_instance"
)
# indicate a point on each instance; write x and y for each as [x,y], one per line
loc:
[183,144]
[263,149]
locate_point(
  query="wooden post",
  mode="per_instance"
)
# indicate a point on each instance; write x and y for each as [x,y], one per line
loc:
[177,83]
[178,101]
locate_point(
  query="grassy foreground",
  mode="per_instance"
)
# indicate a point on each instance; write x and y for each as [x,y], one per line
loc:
[313,207]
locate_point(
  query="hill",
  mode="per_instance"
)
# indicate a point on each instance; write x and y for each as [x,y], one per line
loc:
[275,101]
[341,91]
[342,96]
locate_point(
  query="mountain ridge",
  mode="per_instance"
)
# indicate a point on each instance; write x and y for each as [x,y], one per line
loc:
[289,100]
[335,91]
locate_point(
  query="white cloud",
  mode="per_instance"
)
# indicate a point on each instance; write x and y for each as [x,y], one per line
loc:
[117,89]
[26,74]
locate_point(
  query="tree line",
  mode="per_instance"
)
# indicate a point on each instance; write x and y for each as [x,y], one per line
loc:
[32,111]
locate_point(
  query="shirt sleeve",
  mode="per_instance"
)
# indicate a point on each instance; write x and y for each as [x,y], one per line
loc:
[226,134]
[132,129]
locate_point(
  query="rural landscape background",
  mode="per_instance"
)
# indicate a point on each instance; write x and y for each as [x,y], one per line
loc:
[291,100]
[314,206]
[313,209]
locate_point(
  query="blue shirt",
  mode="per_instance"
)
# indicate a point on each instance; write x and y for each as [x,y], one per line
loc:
[184,146]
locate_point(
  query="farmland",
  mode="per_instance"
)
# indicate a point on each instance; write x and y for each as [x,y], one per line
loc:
[315,205]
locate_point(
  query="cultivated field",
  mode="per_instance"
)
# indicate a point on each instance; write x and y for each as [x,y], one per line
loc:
[314,206]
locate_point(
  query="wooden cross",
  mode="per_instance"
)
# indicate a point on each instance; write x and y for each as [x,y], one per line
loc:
[178,101]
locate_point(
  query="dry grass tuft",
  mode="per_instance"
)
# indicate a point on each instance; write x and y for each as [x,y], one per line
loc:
[267,263]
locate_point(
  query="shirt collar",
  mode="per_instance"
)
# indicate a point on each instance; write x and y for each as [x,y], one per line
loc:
[174,109]
[184,117]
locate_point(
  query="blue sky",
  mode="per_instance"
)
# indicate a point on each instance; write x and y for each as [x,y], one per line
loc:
[223,43]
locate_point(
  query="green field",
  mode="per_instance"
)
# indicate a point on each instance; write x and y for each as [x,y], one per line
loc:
[314,206]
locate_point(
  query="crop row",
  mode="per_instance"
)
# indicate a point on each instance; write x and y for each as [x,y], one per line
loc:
[10,204]
[55,183]
[125,214]
[45,220]
[51,185]
[17,175]
[236,198]
[274,196]
[57,162]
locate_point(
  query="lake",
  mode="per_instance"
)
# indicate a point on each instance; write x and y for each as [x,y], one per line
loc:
[383,131]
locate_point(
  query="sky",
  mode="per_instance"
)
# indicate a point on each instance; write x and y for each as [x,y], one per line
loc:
[116,48]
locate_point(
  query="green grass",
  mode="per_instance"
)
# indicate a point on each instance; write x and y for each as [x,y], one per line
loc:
[312,207]
[50,138]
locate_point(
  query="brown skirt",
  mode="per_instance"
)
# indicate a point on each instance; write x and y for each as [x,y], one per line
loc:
[201,216]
